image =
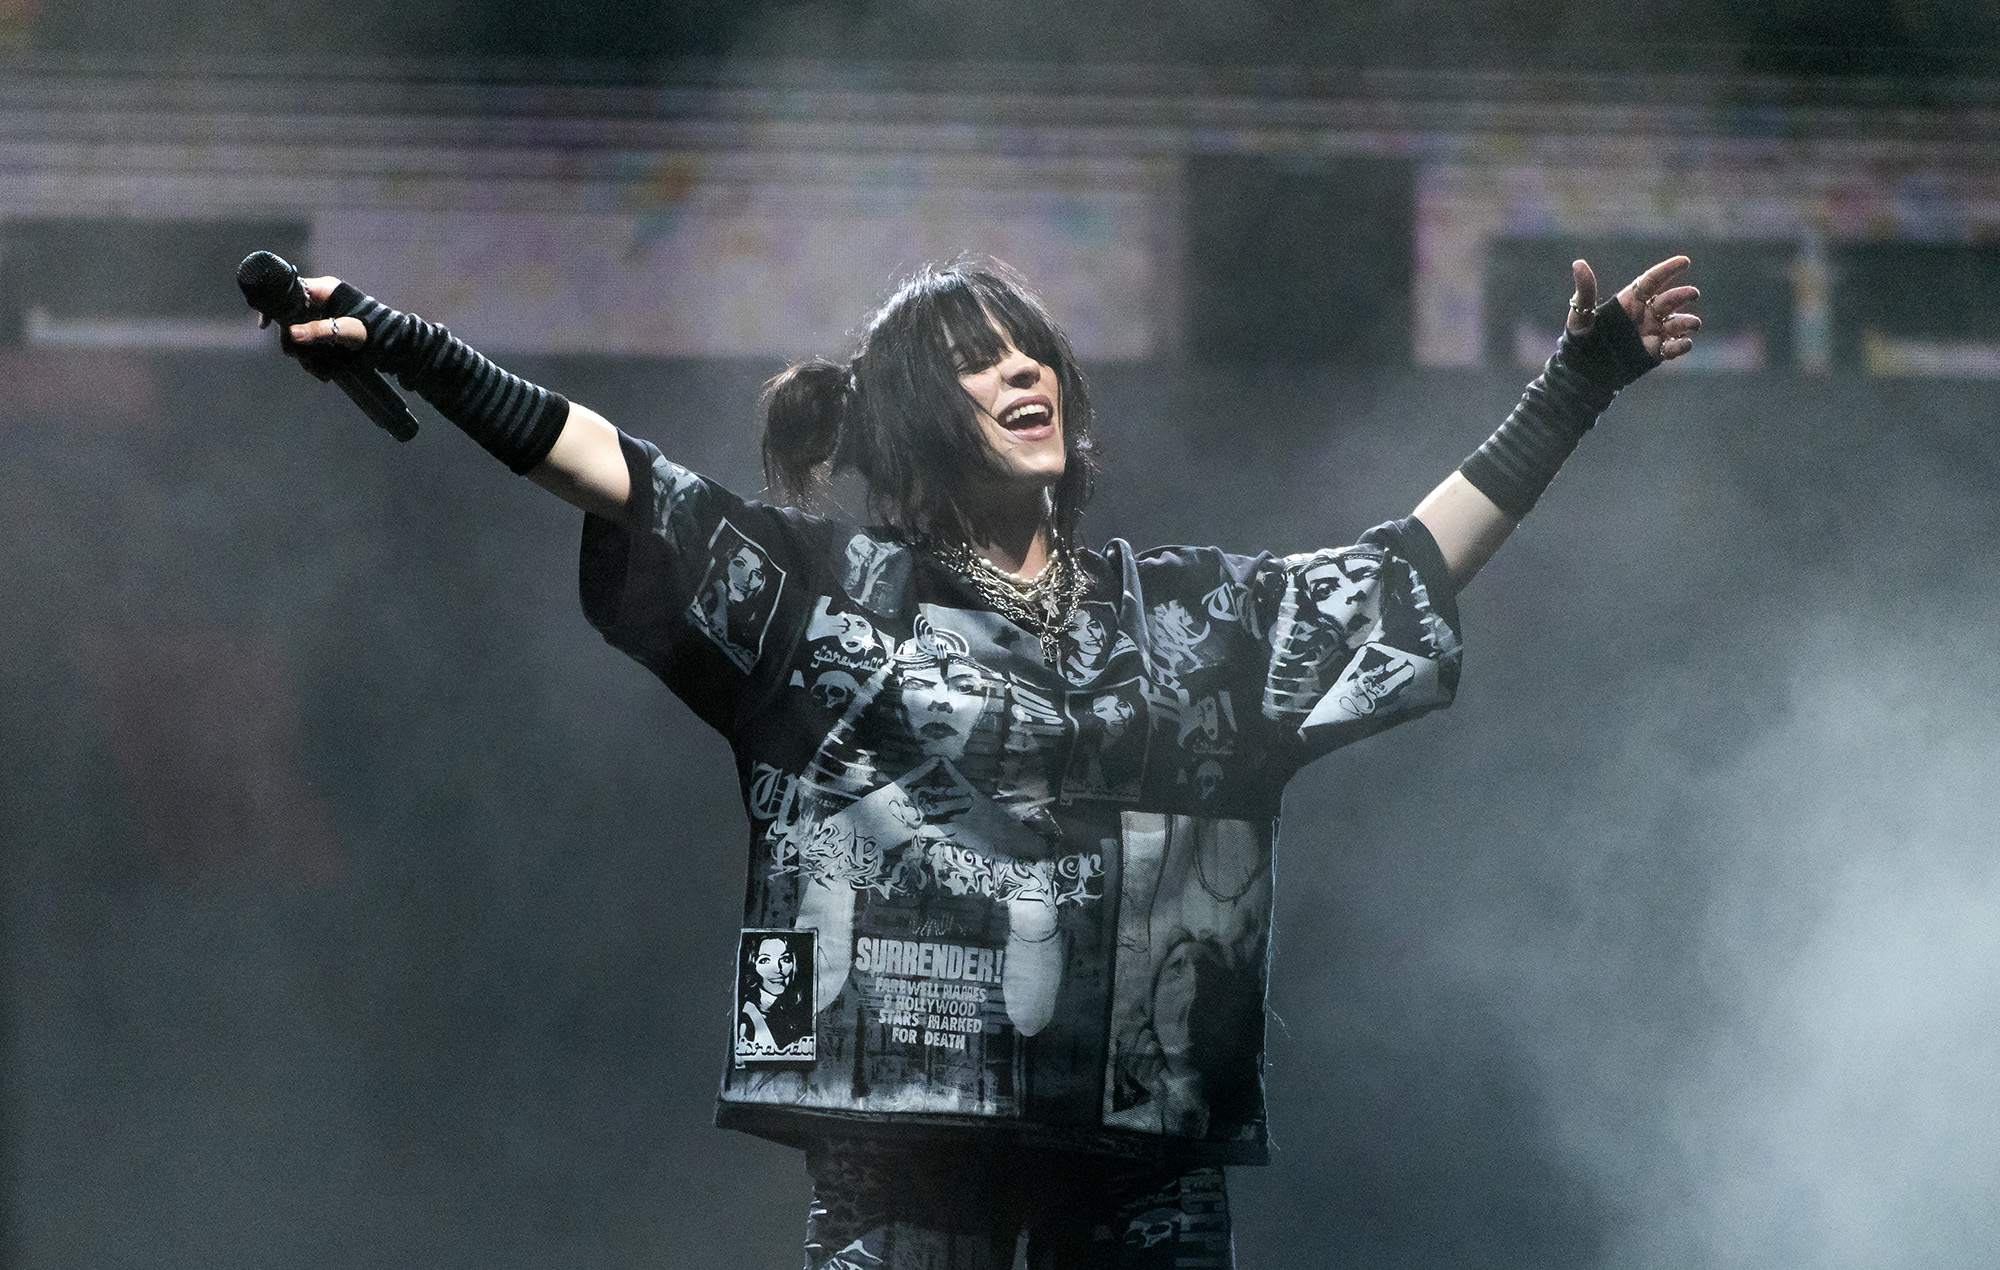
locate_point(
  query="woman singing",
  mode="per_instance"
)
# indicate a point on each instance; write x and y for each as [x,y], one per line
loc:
[1011,798]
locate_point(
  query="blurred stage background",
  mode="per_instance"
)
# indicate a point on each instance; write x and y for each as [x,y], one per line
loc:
[362,908]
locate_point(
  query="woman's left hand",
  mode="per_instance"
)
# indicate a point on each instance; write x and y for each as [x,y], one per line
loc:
[1656,306]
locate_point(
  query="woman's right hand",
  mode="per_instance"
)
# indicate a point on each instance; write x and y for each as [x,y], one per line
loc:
[586,468]
[318,344]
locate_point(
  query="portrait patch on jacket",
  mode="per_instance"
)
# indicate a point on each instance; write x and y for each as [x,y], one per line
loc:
[774,997]
[737,596]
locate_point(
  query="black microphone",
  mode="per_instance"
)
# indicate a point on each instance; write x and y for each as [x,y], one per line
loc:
[272,287]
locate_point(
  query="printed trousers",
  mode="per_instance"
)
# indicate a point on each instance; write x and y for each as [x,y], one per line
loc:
[881,1206]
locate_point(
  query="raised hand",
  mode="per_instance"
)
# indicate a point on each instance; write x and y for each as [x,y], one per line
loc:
[1658,307]
[313,344]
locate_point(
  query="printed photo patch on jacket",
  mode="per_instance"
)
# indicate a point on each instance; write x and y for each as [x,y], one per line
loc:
[876,574]
[842,651]
[1093,642]
[774,997]
[1201,735]
[737,596]
[1345,590]
[1108,760]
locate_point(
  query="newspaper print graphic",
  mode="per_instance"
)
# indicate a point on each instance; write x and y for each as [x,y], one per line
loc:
[933,832]
[937,703]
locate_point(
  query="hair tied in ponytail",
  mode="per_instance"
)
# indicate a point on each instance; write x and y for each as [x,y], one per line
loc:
[805,408]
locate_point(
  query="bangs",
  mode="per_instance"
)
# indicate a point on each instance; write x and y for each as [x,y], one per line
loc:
[980,310]
[967,325]
[1011,306]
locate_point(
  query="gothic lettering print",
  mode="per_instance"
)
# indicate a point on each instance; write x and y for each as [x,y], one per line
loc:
[1180,638]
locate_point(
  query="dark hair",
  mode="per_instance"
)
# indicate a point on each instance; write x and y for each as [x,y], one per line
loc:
[898,415]
[748,981]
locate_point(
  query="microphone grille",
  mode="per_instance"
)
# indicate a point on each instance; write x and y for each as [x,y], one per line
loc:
[266,280]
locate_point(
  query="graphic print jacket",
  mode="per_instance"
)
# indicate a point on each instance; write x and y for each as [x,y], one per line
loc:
[988,895]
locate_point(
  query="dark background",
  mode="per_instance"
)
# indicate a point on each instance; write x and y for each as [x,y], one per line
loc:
[1724,740]
[362,908]
[1913,38]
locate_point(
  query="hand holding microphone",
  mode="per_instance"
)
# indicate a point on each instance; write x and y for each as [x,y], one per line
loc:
[273,287]
[339,333]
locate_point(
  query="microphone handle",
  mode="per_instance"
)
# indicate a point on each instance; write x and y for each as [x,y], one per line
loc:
[378,400]
[364,386]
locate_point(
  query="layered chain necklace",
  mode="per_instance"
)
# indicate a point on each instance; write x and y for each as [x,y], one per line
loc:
[1042,606]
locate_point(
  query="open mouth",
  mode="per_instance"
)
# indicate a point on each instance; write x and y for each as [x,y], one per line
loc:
[937,731]
[1030,416]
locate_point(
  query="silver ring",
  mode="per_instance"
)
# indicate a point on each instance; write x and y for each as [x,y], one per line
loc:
[334,327]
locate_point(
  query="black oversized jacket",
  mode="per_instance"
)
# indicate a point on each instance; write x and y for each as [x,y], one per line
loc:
[1020,900]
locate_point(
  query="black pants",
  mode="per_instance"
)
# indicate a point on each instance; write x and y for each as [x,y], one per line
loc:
[895,1207]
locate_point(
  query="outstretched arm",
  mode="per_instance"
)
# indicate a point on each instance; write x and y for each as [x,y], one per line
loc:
[1468,524]
[584,466]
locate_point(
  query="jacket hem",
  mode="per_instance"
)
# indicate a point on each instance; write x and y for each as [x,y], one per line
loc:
[804,1126]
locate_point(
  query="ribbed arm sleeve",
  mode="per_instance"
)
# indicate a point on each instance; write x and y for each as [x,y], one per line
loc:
[516,421]
[1515,465]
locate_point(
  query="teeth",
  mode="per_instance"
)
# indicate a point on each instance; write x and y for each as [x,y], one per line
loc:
[1019,413]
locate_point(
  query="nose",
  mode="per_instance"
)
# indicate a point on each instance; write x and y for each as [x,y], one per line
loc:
[1019,370]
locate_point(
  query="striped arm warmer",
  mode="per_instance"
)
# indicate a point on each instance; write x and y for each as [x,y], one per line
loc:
[1514,465]
[516,421]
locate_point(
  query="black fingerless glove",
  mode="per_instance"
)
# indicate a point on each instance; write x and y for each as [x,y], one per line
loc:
[1518,461]
[516,421]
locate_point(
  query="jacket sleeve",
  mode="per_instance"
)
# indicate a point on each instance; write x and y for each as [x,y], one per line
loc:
[695,584]
[1359,638]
